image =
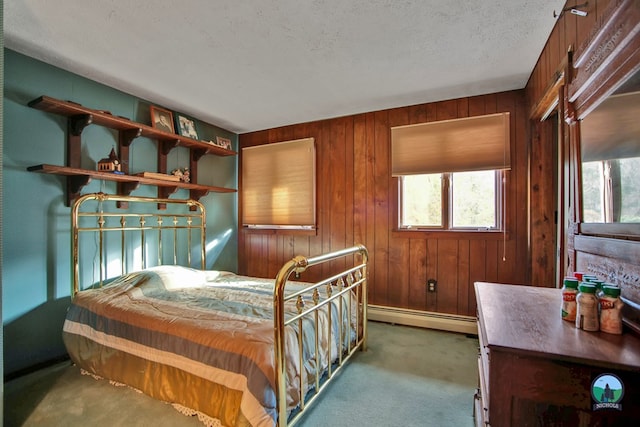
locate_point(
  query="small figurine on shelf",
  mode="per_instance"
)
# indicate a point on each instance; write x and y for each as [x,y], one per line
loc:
[182,173]
[111,163]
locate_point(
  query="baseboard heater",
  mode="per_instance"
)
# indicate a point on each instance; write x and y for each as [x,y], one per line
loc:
[423,319]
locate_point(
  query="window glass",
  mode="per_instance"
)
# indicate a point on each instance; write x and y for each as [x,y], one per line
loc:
[592,191]
[473,199]
[629,179]
[422,200]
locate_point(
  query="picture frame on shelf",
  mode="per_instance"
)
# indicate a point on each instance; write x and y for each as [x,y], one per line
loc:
[186,126]
[223,142]
[161,119]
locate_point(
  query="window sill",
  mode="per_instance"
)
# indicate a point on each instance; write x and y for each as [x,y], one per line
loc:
[449,234]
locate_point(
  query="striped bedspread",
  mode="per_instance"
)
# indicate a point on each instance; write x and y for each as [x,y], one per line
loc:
[200,339]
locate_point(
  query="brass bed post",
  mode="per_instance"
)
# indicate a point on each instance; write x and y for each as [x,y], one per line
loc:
[160,239]
[143,251]
[175,241]
[123,224]
[299,264]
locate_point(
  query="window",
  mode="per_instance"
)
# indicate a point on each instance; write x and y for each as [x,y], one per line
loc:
[609,190]
[458,200]
[450,173]
[278,185]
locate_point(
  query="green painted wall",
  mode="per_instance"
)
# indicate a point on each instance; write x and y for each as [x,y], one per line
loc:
[36,224]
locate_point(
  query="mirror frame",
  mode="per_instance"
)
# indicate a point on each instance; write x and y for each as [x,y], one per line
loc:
[604,61]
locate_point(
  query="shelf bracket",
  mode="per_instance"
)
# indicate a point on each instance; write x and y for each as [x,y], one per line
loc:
[127,136]
[166,145]
[197,154]
[165,192]
[74,186]
[79,122]
[126,188]
[197,194]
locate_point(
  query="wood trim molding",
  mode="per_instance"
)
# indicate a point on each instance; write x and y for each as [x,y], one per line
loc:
[607,57]
[550,98]
[423,319]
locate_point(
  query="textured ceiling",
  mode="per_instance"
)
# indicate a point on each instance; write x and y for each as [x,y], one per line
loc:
[249,65]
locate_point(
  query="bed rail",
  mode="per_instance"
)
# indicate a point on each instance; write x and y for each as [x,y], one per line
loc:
[135,237]
[347,287]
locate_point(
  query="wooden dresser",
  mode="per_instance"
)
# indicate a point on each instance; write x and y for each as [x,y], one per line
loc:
[536,369]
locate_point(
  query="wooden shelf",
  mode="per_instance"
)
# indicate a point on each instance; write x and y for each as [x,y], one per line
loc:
[83,116]
[81,177]
[79,117]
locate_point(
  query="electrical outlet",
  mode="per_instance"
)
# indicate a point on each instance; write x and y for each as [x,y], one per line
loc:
[431,285]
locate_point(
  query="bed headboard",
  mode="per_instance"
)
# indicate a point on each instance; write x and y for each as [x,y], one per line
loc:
[116,234]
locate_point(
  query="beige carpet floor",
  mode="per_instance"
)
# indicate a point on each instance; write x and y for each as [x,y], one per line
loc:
[408,377]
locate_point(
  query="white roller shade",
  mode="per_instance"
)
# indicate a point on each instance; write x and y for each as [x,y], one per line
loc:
[468,144]
[278,184]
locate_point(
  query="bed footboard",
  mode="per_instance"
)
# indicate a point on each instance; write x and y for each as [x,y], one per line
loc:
[347,287]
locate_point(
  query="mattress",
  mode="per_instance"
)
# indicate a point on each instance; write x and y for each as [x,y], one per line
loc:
[201,339]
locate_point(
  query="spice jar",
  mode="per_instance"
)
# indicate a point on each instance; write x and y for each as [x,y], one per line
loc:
[610,309]
[587,308]
[569,292]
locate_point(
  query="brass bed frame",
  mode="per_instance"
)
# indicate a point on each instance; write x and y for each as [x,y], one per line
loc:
[94,214]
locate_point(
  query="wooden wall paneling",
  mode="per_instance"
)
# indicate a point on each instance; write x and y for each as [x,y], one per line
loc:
[256,253]
[462,107]
[555,53]
[561,37]
[400,272]
[477,105]
[370,164]
[381,205]
[287,248]
[520,204]
[432,273]
[464,287]
[570,29]
[324,150]
[522,138]
[360,181]
[418,276]
[533,87]
[399,261]
[417,114]
[543,62]
[356,203]
[349,184]
[542,210]
[446,110]
[447,275]
[491,260]
[274,254]
[585,24]
[601,7]
[342,186]
[477,269]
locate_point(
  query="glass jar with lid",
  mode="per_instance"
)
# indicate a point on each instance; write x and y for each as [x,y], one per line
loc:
[587,308]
